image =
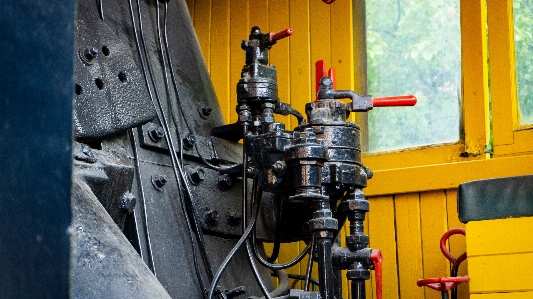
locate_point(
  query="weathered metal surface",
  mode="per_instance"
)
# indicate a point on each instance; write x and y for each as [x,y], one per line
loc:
[110,93]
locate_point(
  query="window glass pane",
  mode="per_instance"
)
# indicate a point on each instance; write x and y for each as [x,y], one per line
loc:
[414,48]
[523,24]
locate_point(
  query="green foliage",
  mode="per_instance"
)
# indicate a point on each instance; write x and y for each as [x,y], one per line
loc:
[414,48]
[523,24]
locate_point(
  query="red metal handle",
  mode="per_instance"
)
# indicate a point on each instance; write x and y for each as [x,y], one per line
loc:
[332,74]
[328,1]
[275,36]
[320,72]
[442,283]
[377,260]
[454,261]
[408,100]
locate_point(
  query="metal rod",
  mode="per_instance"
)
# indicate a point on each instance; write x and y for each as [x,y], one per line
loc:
[325,269]
[358,289]
[309,265]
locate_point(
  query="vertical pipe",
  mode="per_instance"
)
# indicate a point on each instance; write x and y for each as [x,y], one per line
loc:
[358,289]
[325,269]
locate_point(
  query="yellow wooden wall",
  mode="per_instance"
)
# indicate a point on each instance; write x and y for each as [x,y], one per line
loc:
[413,192]
[406,227]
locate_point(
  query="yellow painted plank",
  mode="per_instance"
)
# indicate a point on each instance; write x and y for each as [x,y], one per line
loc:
[288,252]
[513,295]
[420,156]
[382,236]
[190,7]
[474,69]
[457,244]
[202,26]
[502,70]
[434,223]
[446,176]
[516,274]
[240,30]
[220,56]
[499,236]
[258,14]
[320,23]
[408,233]
[342,43]
[299,55]
[522,144]
[278,18]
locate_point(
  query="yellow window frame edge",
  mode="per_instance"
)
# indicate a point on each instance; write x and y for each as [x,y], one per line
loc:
[510,138]
[440,166]
[475,103]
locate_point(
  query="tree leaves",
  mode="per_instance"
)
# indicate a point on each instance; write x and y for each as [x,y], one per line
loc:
[414,48]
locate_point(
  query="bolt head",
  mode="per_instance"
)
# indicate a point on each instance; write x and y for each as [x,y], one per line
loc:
[189,141]
[160,180]
[211,217]
[156,134]
[234,219]
[196,175]
[206,111]
[127,203]
[224,182]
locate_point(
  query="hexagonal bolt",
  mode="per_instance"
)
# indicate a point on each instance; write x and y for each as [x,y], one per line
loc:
[211,217]
[189,142]
[156,134]
[205,112]
[127,203]
[88,54]
[278,167]
[158,181]
[196,175]
[234,219]
[224,182]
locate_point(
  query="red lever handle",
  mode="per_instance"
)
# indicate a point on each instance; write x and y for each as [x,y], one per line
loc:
[409,100]
[275,36]
[377,260]
[320,72]
[454,261]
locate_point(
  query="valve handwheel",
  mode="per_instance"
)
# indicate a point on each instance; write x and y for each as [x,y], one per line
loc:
[444,284]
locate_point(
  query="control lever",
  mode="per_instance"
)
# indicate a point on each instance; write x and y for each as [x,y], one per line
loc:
[325,89]
[275,36]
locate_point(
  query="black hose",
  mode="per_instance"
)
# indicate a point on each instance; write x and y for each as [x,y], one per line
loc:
[273,266]
[233,251]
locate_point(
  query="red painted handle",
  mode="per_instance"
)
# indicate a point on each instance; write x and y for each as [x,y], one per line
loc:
[275,36]
[454,261]
[377,260]
[320,72]
[328,1]
[332,74]
[409,100]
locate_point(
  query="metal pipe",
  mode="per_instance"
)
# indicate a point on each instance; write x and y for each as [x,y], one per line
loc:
[325,269]
[358,289]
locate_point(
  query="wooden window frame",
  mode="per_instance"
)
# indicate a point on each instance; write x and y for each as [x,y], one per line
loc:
[510,137]
[446,166]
